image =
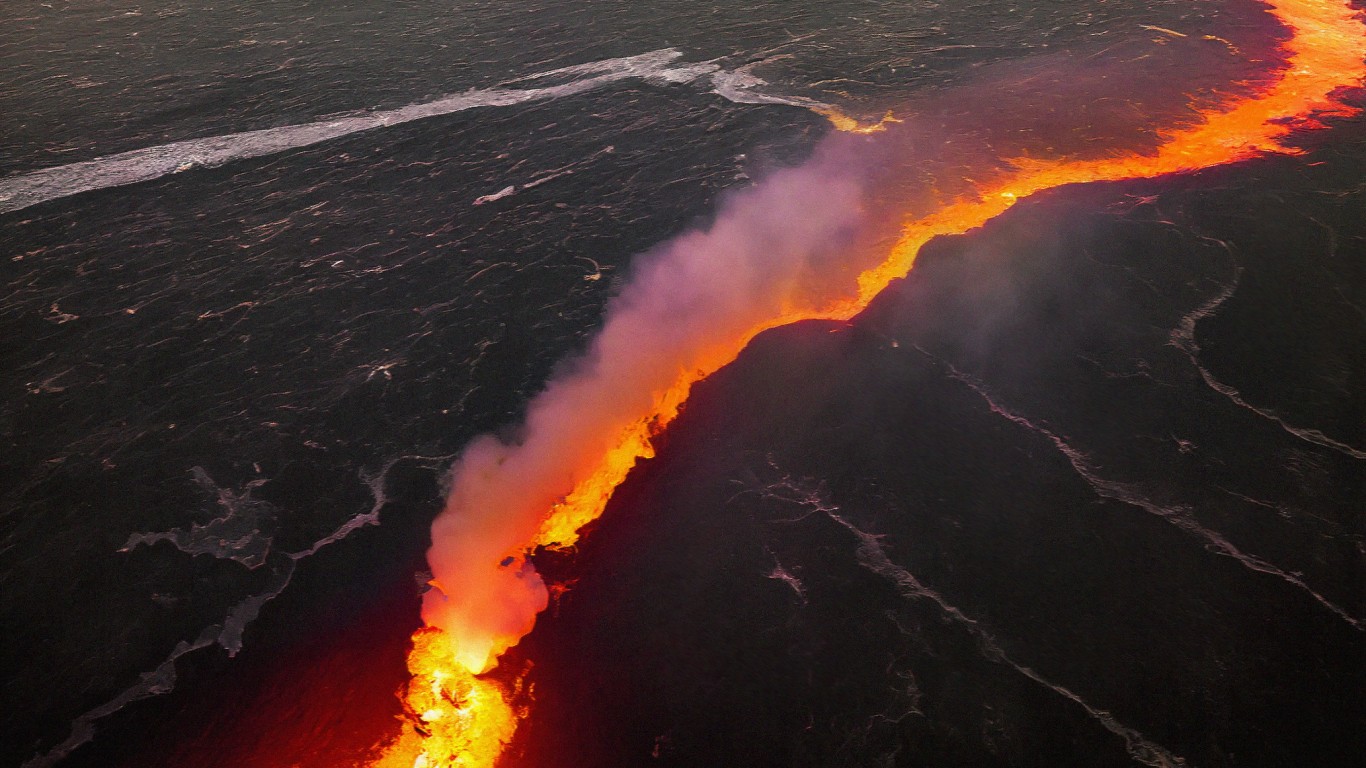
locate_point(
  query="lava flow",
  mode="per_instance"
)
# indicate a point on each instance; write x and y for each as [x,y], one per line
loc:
[675,323]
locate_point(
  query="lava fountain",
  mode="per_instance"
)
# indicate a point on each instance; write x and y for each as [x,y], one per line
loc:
[787,250]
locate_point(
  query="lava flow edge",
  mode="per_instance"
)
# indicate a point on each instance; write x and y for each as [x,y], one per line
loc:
[508,500]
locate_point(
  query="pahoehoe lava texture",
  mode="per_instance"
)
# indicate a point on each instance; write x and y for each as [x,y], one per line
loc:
[1030,536]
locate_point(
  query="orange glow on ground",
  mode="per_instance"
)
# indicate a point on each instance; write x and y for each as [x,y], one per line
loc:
[1324,55]
[467,720]
[455,718]
[843,122]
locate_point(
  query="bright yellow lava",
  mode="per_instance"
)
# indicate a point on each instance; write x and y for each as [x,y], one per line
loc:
[456,720]
[843,122]
[461,719]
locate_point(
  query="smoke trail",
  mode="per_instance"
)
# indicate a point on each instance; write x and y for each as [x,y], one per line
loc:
[787,249]
[776,248]
[802,245]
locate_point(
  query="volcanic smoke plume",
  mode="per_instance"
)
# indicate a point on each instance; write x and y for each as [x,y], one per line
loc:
[817,241]
[773,249]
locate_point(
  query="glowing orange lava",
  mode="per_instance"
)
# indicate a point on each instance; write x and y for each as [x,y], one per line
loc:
[843,122]
[461,719]
[456,719]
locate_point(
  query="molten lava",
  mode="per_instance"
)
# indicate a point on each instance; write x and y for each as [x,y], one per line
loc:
[456,719]
[489,595]
[847,124]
